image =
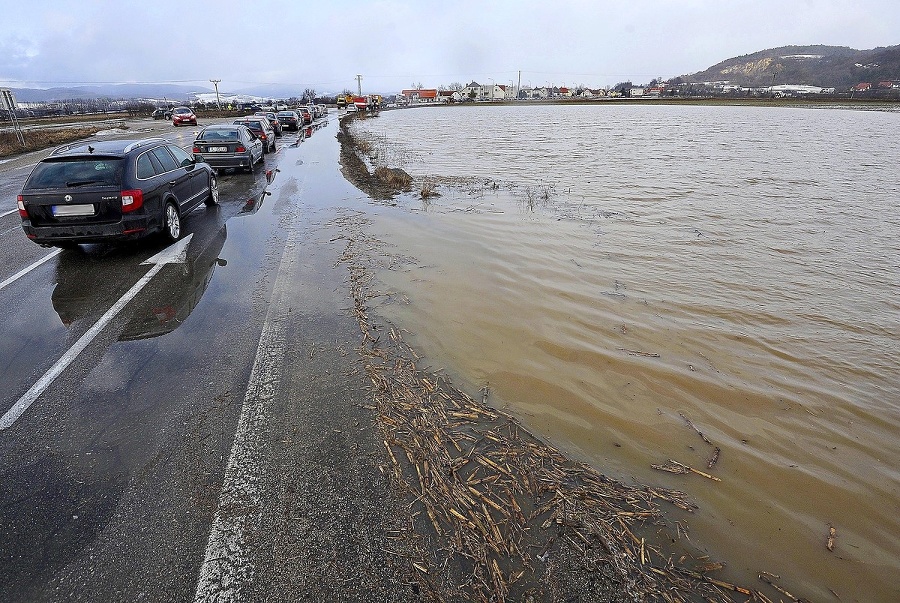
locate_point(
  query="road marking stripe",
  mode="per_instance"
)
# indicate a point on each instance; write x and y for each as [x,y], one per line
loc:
[12,211]
[174,253]
[44,382]
[227,567]
[28,269]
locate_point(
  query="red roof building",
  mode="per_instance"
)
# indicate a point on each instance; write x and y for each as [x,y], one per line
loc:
[422,95]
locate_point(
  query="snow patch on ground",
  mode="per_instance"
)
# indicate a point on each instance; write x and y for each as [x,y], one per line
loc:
[110,132]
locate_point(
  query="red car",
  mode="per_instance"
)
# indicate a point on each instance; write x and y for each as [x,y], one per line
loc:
[306,114]
[182,116]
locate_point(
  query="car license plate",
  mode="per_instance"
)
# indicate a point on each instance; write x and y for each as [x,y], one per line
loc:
[217,149]
[73,210]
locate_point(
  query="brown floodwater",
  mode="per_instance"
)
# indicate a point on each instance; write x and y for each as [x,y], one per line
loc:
[611,272]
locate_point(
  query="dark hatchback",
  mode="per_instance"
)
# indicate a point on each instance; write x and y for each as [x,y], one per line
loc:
[113,190]
[290,120]
[276,125]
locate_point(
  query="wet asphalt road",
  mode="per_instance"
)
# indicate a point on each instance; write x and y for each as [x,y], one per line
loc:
[112,470]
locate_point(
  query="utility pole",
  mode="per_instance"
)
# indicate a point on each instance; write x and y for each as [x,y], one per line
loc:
[358,85]
[519,85]
[216,84]
[8,102]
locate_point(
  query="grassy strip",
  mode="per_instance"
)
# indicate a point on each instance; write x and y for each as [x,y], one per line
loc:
[35,140]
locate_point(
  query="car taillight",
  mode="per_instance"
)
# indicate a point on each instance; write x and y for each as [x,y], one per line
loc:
[262,136]
[20,201]
[132,200]
[196,149]
[241,149]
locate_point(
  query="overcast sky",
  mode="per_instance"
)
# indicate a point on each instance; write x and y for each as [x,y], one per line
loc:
[323,44]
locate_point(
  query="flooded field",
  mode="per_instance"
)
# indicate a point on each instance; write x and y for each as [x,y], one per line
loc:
[622,278]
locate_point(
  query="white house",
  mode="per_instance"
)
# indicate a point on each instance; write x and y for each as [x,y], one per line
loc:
[484,91]
[473,90]
[450,96]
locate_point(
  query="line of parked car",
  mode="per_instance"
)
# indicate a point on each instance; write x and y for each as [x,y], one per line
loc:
[96,191]
[279,118]
[242,143]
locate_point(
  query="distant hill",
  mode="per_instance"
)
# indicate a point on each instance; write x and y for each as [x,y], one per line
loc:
[173,92]
[114,91]
[836,67]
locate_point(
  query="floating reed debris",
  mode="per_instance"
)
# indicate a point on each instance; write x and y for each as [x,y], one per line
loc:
[502,516]
[639,353]
[714,458]
[673,466]
[694,427]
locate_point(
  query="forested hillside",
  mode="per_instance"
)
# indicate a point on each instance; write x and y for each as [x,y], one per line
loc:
[825,66]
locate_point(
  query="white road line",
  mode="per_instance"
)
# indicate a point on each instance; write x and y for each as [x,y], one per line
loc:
[12,211]
[28,269]
[174,253]
[227,568]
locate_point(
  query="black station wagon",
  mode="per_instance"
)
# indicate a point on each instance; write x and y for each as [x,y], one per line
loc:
[113,190]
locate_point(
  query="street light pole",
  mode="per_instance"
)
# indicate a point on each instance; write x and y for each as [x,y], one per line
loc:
[216,84]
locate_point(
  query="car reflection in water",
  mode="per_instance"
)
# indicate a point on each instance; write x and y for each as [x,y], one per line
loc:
[86,287]
[253,204]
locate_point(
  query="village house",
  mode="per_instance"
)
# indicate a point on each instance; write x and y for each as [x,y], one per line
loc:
[483,92]
[450,96]
[417,95]
[538,93]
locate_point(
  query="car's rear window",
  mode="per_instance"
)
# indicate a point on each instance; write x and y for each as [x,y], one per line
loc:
[219,134]
[75,172]
[256,125]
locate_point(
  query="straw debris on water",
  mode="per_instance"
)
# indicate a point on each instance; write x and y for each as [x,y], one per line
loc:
[507,517]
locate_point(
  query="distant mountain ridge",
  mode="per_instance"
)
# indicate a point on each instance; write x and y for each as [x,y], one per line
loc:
[114,91]
[836,67]
[173,92]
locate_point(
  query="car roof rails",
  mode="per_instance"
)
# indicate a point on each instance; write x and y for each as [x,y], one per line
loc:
[140,143]
[66,147]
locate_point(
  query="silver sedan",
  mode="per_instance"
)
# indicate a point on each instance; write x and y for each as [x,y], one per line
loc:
[228,146]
